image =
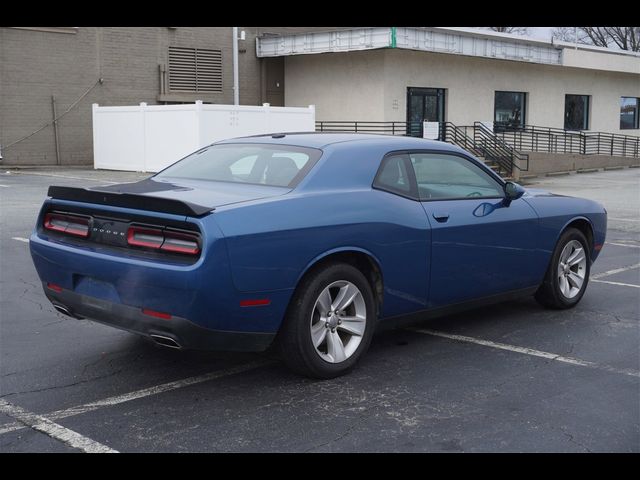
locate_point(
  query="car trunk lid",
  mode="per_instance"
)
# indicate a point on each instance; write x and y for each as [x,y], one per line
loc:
[187,197]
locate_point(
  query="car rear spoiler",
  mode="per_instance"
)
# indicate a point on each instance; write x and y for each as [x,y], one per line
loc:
[128,200]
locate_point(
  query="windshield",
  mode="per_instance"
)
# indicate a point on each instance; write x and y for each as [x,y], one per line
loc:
[262,164]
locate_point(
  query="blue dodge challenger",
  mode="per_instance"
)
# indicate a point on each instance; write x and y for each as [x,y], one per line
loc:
[309,242]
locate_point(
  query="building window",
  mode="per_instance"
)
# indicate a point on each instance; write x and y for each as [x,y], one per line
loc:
[576,112]
[195,70]
[629,118]
[510,109]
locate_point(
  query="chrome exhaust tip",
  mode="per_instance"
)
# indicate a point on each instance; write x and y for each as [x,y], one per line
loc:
[165,341]
[65,311]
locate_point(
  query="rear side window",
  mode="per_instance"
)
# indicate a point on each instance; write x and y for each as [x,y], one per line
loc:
[393,175]
[263,164]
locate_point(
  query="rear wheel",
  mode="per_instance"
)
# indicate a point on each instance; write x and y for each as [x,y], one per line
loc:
[329,324]
[568,273]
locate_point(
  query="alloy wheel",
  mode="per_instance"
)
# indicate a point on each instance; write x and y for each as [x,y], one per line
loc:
[338,321]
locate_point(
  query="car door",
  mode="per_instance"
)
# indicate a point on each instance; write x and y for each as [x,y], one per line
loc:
[481,244]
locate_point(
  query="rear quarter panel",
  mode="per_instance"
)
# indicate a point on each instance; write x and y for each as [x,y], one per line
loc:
[272,243]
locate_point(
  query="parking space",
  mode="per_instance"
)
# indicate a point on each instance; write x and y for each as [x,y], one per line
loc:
[510,377]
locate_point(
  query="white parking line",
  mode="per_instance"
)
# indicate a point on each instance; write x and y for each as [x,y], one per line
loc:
[528,351]
[614,271]
[4,186]
[127,397]
[53,430]
[20,239]
[622,245]
[617,283]
[625,219]
[66,176]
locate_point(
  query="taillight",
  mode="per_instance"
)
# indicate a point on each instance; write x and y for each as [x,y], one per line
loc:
[180,242]
[167,240]
[145,237]
[71,224]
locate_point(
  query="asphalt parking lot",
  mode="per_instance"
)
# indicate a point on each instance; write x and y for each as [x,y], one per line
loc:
[507,378]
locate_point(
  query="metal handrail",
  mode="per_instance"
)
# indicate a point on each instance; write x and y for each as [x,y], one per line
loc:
[526,138]
[556,140]
[509,153]
[505,145]
[475,138]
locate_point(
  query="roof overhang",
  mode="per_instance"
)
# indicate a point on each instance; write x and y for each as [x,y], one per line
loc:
[453,41]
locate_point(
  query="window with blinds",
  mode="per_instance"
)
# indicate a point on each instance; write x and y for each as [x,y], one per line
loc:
[195,70]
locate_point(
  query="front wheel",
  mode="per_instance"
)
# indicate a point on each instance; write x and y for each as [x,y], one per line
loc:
[329,324]
[568,273]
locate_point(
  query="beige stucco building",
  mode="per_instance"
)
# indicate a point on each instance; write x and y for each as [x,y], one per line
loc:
[364,74]
[460,76]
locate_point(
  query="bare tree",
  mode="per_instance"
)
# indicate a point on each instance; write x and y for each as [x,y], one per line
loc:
[566,34]
[514,30]
[624,38]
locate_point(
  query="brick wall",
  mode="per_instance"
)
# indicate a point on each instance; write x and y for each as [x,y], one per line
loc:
[34,65]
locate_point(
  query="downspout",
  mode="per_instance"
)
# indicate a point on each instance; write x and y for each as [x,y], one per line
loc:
[236,89]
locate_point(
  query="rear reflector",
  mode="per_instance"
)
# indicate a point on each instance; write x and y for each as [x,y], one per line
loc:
[598,247]
[153,313]
[54,287]
[255,303]
[71,224]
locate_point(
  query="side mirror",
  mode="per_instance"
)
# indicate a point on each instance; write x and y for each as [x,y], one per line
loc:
[512,191]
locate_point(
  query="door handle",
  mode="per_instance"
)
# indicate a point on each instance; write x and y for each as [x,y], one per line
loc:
[441,216]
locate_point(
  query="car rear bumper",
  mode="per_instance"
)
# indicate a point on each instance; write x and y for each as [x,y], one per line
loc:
[202,293]
[175,332]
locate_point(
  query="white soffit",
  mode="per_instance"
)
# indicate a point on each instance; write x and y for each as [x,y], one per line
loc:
[426,39]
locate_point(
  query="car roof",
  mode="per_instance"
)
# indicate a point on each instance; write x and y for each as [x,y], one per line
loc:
[323,139]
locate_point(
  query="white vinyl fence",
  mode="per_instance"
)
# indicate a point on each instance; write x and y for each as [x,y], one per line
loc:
[148,138]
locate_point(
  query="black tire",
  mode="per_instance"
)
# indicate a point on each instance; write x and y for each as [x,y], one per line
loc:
[294,341]
[549,294]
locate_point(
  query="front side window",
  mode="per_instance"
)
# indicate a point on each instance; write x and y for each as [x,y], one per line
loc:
[263,164]
[509,109]
[629,113]
[576,112]
[443,176]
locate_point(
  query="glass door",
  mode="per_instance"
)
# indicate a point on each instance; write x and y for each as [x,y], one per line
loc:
[423,105]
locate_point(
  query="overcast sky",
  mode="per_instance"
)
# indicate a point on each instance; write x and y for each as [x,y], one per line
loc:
[541,32]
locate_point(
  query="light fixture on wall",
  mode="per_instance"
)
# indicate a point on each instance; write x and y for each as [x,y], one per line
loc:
[241,45]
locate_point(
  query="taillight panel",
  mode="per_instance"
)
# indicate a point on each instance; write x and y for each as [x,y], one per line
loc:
[164,240]
[144,237]
[179,242]
[78,226]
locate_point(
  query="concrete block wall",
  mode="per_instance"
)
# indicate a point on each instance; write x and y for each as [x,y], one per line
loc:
[541,163]
[34,65]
